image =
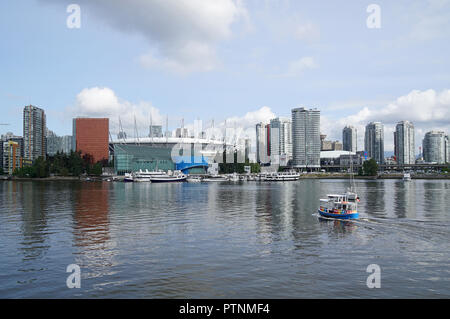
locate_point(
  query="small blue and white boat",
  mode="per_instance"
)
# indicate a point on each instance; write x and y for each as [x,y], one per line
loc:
[344,206]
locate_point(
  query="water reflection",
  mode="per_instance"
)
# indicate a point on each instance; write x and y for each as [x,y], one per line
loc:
[404,200]
[249,240]
[91,230]
[436,199]
[34,219]
[338,226]
[374,198]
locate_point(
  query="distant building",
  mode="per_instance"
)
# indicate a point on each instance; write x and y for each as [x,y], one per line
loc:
[447,147]
[34,129]
[182,132]
[374,141]
[4,139]
[404,144]
[306,138]
[91,136]
[329,145]
[155,131]
[122,135]
[66,144]
[350,138]
[11,156]
[262,143]
[11,137]
[343,158]
[55,144]
[281,138]
[435,147]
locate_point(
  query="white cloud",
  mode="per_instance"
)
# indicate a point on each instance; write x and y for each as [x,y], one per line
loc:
[194,56]
[298,67]
[182,33]
[428,110]
[239,127]
[250,119]
[306,31]
[103,102]
[431,21]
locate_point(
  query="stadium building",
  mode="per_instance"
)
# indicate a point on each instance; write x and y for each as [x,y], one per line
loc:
[190,155]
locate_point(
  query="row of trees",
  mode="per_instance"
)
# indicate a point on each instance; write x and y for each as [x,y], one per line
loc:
[61,164]
[235,167]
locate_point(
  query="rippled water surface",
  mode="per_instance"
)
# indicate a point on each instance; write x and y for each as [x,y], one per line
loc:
[243,240]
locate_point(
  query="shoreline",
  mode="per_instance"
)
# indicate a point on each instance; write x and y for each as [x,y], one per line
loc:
[305,176]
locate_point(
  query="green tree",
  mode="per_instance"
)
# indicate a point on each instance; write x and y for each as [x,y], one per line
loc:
[26,171]
[370,167]
[64,171]
[75,163]
[41,168]
[360,171]
[97,169]
[1,171]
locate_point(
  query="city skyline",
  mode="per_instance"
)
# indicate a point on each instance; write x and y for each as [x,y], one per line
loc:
[240,66]
[416,151]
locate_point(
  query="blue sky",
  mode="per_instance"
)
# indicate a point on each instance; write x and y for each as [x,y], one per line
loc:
[244,61]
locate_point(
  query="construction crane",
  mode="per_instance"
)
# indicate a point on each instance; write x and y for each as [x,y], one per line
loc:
[4,124]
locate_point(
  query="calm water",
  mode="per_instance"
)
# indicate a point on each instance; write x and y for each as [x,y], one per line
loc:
[248,240]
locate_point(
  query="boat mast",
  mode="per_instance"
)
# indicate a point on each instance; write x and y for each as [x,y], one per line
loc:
[352,180]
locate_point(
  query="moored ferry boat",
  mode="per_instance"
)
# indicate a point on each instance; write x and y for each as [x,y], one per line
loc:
[169,177]
[406,177]
[193,179]
[215,178]
[128,178]
[343,206]
[144,176]
[282,177]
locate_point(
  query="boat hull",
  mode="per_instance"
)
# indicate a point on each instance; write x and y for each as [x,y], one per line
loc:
[174,180]
[339,216]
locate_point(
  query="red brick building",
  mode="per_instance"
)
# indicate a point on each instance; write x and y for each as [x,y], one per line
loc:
[91,136]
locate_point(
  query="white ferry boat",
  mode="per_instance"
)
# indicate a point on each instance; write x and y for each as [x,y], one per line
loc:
[280,177]
[406,177]
[193,179]
[234,177]
[128,178]
[215,178]
[144,176]
[169,177]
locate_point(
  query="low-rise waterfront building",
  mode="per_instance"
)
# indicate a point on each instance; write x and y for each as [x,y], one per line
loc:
[190,155]
[11,156]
